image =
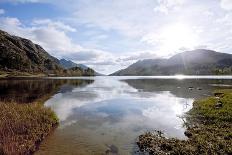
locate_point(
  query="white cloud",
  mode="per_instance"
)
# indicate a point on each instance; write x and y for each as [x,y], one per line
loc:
[52,38]
[165,5]
[2,11]
[162,9]
[140,55]
[121,15]
[56,24]
[226,20]
[226,4]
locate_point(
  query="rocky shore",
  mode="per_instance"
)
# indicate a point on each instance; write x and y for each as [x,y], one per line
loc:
[209,130]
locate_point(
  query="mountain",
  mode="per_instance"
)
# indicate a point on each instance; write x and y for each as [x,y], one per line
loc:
[20,55]
[67,64]
[196,62]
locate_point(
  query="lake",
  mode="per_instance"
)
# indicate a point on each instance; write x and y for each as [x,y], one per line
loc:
[105,115]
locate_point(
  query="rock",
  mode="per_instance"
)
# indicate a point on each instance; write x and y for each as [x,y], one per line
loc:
[112,149]
[219,94]
[219,104]
[188,134]
[190,88]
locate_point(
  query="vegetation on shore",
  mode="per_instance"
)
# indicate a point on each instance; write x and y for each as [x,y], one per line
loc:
[24,126]
[209,130]
[4,74]
[75,71]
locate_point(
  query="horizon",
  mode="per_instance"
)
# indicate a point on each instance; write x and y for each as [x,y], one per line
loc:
[111,35]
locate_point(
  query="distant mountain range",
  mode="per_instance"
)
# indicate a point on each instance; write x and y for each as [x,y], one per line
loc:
[22,55]
[68,64]
[196,62]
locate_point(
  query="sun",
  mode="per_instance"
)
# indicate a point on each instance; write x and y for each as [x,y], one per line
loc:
[176,36]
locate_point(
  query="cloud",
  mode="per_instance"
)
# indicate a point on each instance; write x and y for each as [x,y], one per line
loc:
[51,36]
[2,11]
[162,9]
[139,56]
[88,55]
[121,15]
[56,24]
[226,4]
[165,5]
[226,20]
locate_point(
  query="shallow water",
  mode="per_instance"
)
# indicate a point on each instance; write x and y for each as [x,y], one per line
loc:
[105,115]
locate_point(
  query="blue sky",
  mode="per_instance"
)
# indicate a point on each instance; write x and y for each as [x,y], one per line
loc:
[111,34]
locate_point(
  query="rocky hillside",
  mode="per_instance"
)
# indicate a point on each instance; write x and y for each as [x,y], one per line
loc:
[196,62]
[67,64]
[22,55]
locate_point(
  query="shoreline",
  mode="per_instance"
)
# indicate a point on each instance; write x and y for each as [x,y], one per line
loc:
[209,129]
[24,126]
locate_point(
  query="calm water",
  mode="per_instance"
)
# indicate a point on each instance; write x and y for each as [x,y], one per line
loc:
[105,115]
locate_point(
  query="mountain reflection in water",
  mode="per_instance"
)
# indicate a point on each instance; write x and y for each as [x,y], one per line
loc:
[111,113]
[105,115]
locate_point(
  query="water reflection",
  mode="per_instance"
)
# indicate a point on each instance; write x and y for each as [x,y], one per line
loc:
[105,115]
[34,90]
[112,112]
[180,88]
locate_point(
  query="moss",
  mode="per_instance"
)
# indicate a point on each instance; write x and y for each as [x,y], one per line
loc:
[209,129]
[24,126]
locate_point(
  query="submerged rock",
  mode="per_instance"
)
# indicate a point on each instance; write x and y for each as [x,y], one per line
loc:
[190,88]
[112,149]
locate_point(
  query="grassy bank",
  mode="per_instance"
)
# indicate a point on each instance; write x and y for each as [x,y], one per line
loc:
[4,74]
[24,126]
[209,130]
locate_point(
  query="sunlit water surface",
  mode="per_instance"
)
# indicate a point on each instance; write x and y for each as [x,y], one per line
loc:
[105,115]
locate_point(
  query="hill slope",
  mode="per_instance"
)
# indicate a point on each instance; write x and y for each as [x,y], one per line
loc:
[67,64]
[196,62]
[22,55]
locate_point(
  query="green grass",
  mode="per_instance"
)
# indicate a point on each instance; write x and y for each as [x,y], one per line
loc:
[24,126]
[211,114]
[209,130]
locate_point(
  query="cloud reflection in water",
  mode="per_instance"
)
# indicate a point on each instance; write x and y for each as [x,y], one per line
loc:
[115,104]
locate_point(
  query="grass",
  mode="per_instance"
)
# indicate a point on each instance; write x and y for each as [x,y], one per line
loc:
[4,74]
[24,126]
[209,130]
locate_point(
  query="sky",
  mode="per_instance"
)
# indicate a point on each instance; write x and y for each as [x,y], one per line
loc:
[109,35]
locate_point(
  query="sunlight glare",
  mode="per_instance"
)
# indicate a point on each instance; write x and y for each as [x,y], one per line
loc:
[178,35]
[180,77]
